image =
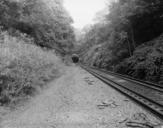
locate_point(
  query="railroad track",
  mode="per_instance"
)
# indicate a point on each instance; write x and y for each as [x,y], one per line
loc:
[148,95]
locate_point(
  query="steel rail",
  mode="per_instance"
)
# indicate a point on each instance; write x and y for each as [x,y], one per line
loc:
[144,83]
[152,106]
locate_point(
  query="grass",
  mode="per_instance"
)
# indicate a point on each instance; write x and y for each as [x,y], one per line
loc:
[24,68]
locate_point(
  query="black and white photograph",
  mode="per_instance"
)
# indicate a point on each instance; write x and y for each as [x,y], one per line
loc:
[81,63]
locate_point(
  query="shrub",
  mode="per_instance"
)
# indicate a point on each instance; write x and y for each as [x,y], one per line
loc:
[146,63]
[24,68]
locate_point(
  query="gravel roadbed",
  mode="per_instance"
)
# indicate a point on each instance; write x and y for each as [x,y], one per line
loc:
[79,100]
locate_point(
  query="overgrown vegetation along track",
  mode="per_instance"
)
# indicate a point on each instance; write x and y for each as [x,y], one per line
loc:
[148,96]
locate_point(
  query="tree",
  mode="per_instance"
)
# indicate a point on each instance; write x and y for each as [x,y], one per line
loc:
[46,21]
[128,25]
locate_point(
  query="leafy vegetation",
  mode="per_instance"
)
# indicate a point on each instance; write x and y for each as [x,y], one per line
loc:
[24,68]
[146,62]
[119,41]
[46,21]
[31,33]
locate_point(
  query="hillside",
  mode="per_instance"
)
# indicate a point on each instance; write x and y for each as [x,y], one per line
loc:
[128,40]
[25,68]
[34,34]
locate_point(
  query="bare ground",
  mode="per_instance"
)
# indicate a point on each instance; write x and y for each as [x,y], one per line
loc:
[78,100]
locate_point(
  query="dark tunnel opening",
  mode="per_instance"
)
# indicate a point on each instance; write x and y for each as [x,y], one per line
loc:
[75,58]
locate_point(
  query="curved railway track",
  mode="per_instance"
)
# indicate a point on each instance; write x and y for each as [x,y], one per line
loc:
[148,95]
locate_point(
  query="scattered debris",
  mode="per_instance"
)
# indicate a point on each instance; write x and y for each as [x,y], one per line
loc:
[126,100]
[138,125]
[110,103]
[123,121]
[140,117]
[140,120]
[87,79]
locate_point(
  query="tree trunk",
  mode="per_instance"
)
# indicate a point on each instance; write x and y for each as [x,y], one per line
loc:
[129,47]
[132,37]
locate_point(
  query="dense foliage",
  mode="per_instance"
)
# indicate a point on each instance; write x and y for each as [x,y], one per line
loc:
[146,62]
[24,68]
[122,33]
[31,32]
[46,21]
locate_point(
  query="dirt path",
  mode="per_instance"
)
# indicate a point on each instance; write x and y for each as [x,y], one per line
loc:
[77,100]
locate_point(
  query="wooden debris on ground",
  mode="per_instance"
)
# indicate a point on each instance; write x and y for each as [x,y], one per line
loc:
[109,103]
[140,120]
